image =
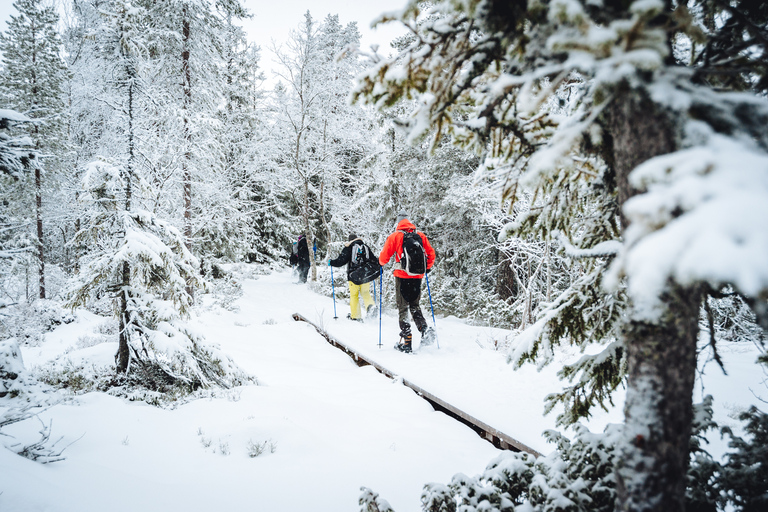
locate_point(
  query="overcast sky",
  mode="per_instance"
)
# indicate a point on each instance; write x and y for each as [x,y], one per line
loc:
[273,19]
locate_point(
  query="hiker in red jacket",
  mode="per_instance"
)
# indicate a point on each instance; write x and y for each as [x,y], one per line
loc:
[407,282]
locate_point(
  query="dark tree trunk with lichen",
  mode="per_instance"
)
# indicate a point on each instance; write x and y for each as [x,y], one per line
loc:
[658,411]
[123,354]
[662,352]
[506,284]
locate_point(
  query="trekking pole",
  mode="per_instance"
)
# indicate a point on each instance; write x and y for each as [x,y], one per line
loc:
[333,293]
[433,309]
[374,291]
[381,273]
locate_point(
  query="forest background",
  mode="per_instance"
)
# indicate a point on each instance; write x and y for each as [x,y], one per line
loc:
[141,152]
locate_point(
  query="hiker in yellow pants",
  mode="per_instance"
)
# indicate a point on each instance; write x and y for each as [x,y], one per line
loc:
[355,255]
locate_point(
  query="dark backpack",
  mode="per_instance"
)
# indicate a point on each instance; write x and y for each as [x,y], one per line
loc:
[363,265]
[414,259]
[361,255]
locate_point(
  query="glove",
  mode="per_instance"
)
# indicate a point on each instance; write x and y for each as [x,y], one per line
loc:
[429,270]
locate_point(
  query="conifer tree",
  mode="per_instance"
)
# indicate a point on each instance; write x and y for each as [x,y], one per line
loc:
[32,82]
[16,155]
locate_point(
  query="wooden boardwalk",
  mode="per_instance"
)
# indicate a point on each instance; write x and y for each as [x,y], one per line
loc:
[499,439]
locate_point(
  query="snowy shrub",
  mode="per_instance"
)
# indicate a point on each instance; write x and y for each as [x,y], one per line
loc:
[205,441]
[148,381]
[28,322]
[90,340]
[19,389]
[63,373]
[225,289]
[256,449]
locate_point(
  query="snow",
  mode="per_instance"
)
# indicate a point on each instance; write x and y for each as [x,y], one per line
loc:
[12,115]
[334,427]
[701,219]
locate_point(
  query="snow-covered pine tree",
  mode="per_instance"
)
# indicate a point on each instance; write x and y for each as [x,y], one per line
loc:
[248,223]
[32,82]
[16,151]
[664,153]
[147,268]
[134,255]
[16,247]
[189,47]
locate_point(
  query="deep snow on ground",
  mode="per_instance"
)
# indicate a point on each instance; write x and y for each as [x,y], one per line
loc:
[334,427]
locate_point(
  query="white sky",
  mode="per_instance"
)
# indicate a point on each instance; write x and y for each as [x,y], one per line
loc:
[273,19]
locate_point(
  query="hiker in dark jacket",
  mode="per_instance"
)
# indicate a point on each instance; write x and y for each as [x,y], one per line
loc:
[303,258]
[353,256]
[407,286]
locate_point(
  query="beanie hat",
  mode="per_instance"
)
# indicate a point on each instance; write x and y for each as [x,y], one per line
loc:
[401,216]
[352,236]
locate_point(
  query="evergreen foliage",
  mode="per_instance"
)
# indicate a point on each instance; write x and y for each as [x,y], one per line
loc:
[33,81]
[603,144]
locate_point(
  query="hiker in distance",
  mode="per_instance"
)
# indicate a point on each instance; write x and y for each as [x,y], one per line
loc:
[302,255]
[293,259]
[362,268]
[414,256]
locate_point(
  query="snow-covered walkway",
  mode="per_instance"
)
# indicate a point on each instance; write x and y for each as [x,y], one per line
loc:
[334,426]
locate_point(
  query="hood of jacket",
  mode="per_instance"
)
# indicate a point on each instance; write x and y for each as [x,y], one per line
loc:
[347,244]
[406,225]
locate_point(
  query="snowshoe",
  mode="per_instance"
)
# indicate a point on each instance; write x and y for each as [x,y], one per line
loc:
[428,336]
[349,317]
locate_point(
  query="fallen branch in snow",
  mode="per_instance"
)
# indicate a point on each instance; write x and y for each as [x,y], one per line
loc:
[43,450]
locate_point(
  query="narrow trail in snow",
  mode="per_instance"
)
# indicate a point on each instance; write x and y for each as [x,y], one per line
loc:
[494,436]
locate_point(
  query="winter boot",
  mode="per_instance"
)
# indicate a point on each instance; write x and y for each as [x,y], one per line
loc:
[428,336]
[349,317]
[370,311]
[405,342]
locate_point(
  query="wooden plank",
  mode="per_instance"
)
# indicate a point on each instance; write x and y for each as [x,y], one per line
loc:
[496,437]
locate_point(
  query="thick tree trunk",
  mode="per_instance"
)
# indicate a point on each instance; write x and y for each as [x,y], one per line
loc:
[506,283]
[123,354]
[658,413]
[40,241]
[661,352]
[38,175]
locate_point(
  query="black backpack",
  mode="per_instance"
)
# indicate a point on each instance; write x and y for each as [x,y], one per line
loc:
[414,259]
[363,265]
[361,255]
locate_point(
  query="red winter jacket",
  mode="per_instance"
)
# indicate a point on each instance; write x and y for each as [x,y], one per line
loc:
[394,246]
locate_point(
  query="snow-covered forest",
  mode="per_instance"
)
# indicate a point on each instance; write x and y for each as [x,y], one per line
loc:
[593,176]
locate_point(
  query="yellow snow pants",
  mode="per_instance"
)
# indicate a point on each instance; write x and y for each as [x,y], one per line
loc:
[355,291]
